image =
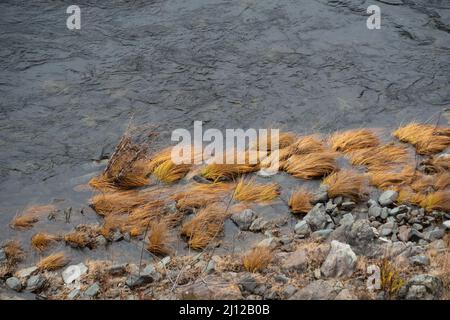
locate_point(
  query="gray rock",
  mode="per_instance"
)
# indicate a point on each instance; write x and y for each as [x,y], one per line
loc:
[116,236]
[289,291]
[100,241]
[269,242]
[298,261]
[321,195]
[361,236]
[398,210]
[435,234]
[210,267]
[2,256]
[26,272]
[417,226]
[338,200]
[164,262]
[316,290]
[92,291]
[244,219]
[384,213]
[388,197]
[422,287]
[374,211]
[341,261]
[117,269]
[14,284]
[330,206]
[317,217]
[258,224]
[372,203]
[347,220]
[321,234]
[35,283]
[346,294]
[348,205]
[446,224]
[73,294]
[420,260]
[281,278]
[387,228]
[248,283]
[302,228]
[148,275]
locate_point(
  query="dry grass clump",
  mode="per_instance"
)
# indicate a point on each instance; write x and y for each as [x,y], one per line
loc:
[408,196]
[79,239]
[308,144]
[224,171]
[264,143]
[352,140]
[379,158]
[389,179]
[169,172]
[347,184]
[300,201]
[257,259]
[437,201]
[426,138]
[442,181]
[436,164]
[249,190]
[30,216]
[41,240]
[390,279]
[199,195]
[14,252]
[310,166]
[205,226]
[159,237]
[52,262]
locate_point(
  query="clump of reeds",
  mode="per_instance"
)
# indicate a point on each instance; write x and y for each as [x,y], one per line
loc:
[436,164]
[52,262]
[30,216]
[264,143]
[120,201]
[249,190]
[388,179]
[437,201]
[310,166]
[408,196]
[257,259]
[308,144]
[79,239]
[380,157]
[14,252]
[346,183]
[205,226]
[169,172]
[41,240]
[300,201]
[159,238]
[426,138]
[199,195]
[442,181]
[352,140]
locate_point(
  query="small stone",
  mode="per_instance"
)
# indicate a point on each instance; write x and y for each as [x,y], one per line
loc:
[116,236]
[2,256]
[422,287]
[321,234]
[211,267]
[289,291]
[258,224]
[117,269]
[14,284]
[73,272]
[101,241]
[372,203]
[25,273]
[316,290]
[417,226]
[302,228]
[127,237]
[330,206]
[298,261]
[248,283]
[420,260]
[446,224]
[148,275]
[244,219]
[286,239]
[35,283]
[388,197]
[374,211]
[341,260]
[270,242]
[93,290]
[321,195]
[415,235]
[348,205]
[281,278]
[317,217]
[398,210]
[346,294]
[347,220]
[73,294]
[387,228]
[165,261]
[435,234]
[384,213]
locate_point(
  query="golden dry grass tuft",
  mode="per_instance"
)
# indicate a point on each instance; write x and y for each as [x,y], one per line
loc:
[310,166]
[227,171]
[168,172]
[436,164]
[264,143]
[14,252]
[437,201]
[379,158]
[205,226]
[352,140]
[257,259]
[408,196]
[78,239]
[390,278]
[30,216]
[426,138]
[442,181]
[199,195]
[300,201]
[159,238]
[53,262]
[41,240]
[249,190]
[347,184]
[392,179]
[308,144]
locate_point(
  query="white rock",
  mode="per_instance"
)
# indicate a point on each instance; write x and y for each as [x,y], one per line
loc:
[73,272]
[341,260]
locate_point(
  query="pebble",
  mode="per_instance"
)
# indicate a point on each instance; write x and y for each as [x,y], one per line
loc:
[258,224]
[321,234]
[14,284]
[35,283]
[384,213]
[25,273]
[347,220]
[348,205]
[446,224]
[93,290]
[73,272]
[2,256]
[420,260]
[243,219]
[73,294]
[388,197]
[302,228]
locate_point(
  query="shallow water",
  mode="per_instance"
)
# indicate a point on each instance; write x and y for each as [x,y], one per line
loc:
[307,65]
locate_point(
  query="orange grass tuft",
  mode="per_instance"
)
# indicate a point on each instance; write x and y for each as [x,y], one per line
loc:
[407,196]
[41,241]
[30,216]
[388,179]
[381,157]
[264,143]
[53,262]
[312,165]
[442,181]
[199,195]
[437,201]
[257,259]
[248,190]
[347,184]
[78,239]
[352,140]
[169,172]
[437,164]
[159,238]
[14,252]
[426,138]
[300,201]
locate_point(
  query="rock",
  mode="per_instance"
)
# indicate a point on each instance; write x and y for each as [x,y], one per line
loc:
[384,213]
[330,206]
[388,197]
[316,217]
[100,241]
[258,224]
[420,260]
[346,294]
[435,234]
[14,284]
[446,225]
[338,200]
[372,203]
[302,228]
[127,237]
[374,211]
[281,278]
[403,233]
[286,239]
[244,219]
[297,261]
[438,245]
[117,269]
[341,261]
[116,236]
[321,234]
[422,287]
[210,267]
[35,283]
[347,220]
[212,288]
[92,291]
[361,236]
[25,273]
[2,256]
[316,290]
[73,294]
[348,205]
[289,291]
[387,228]
[415,235]
[73,272]
[321,195]
[270,242]
[164,262]
[148,275]
[417,226]
[248,283]
[398,210]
